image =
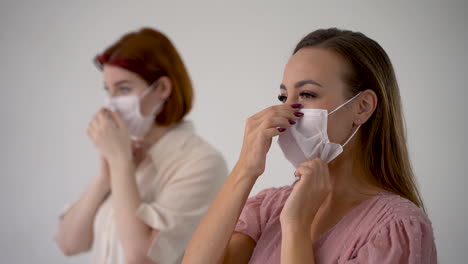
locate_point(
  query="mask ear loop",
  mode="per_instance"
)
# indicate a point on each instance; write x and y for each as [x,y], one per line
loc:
[338,108]
[352,135]
[345,103]
[151,88]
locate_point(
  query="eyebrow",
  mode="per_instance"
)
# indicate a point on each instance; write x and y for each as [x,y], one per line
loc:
[122,82]
[299,84]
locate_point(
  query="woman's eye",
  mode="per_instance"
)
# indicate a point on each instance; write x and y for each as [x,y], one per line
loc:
[124,90]
[307,95]
[282,98]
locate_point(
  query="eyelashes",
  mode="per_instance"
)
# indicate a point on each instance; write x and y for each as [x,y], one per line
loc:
[282,98]
[120,90]
[303,95]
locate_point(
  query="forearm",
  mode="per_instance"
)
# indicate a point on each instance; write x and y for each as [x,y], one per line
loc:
[296,246]
[133,233]
[214,231]
[75,233]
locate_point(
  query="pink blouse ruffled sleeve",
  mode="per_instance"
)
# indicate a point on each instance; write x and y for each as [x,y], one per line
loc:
[260,209]
[252,217]
[402,240]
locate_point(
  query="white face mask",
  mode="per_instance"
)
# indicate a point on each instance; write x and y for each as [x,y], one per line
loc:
[129,108]
[308,138]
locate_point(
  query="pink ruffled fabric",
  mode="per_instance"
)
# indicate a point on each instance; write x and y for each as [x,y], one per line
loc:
[384,229]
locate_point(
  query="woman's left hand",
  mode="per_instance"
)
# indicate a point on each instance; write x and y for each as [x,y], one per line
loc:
[308,193]
[110,135]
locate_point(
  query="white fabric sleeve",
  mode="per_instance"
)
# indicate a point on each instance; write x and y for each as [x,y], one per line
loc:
[180,206]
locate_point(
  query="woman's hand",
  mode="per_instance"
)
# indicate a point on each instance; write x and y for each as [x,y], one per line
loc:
[308,193]
[110,135]
[259,130]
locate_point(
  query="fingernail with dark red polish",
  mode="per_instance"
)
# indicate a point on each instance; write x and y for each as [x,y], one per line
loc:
[292,122]
[296,106]
[281,129]
[298,114]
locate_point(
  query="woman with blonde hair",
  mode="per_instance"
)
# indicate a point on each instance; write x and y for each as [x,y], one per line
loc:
[355,199]
[157,176]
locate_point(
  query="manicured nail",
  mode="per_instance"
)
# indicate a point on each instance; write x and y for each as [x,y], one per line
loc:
[296,106]
[292,122]
[298,114]
[281,129]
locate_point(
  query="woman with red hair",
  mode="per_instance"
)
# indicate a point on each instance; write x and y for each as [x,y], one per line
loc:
[157,177]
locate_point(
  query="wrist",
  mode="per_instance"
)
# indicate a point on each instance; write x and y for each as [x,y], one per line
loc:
[242,177]
[120,159]
[296,234]
[243,170]
[295,227]
[102,178]
[102,184]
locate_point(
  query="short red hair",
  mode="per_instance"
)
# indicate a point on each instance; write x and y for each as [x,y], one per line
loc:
[151,55]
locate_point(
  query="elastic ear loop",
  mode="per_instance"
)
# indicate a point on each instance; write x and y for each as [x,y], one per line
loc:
[345,103]
[338,108]
[352,135]
[150,88]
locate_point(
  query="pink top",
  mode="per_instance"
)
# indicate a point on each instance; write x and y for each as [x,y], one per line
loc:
[384,229]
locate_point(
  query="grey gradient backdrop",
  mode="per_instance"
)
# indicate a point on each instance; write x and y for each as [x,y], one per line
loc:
[235,52]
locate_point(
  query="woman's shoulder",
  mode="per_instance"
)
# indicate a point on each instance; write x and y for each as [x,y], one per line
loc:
[182,143]
[399,207]
[274,193]
[271,200]
[390,213]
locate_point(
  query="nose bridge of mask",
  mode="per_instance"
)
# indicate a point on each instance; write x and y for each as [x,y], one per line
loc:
[313,116]
[308,131]
[122,104]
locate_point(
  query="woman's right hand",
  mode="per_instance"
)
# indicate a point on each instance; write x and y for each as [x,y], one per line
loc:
[259,131]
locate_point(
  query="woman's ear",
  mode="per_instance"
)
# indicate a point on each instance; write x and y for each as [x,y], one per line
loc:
[165,87]
[365,106]
[161,91]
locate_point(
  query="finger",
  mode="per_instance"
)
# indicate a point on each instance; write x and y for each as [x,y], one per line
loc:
[116,118]
[92,135]
[290,115]
[285,110]
[307,174]
[313,164]
[104,118]
[93,125]
[269,133]
[101,116]
[275,122]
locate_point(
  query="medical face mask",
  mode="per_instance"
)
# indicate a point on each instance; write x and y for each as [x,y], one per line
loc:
[129,108]
[308,138]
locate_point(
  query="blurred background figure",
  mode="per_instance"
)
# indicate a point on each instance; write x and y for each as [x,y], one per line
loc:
[157,176]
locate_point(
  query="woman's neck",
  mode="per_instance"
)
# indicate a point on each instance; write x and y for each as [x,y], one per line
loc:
[348,179]
[155,134]
[140,146]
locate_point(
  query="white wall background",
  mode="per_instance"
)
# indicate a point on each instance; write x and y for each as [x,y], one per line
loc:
[235,53]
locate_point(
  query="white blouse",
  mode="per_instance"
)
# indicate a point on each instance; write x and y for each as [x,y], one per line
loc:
[177,182]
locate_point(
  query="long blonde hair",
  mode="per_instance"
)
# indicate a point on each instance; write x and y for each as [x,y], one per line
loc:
[384,153]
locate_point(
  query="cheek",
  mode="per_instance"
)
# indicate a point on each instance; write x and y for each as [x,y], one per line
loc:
[149,102]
